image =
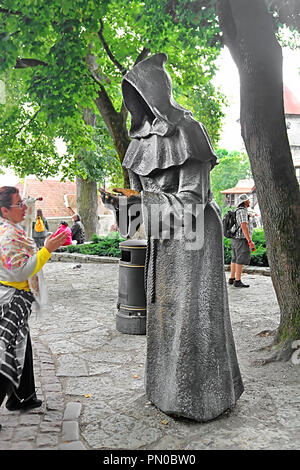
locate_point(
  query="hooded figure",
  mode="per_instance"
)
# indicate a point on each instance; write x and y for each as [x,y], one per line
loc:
[191,366]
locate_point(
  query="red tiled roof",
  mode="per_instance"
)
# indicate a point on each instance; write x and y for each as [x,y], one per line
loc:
[243,186]
[237,190]
[55,194]
[291,102]
[52,192]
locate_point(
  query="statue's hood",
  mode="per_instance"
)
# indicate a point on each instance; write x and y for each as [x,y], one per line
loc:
[147,93]
[163,133]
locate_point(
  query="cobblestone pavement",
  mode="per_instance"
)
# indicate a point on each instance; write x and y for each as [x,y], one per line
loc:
[90,376]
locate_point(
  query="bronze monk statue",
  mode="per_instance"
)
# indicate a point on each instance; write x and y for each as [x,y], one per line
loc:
[191,367]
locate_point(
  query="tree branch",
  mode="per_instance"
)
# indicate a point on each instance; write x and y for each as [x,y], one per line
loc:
[142,55]
[99,78]
[227,24]
[108,51]
[24,125]
[25,63]
[106,108]
[6,36]
[93,68]
[10,12]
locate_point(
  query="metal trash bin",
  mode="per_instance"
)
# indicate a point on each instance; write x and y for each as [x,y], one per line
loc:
[131,314]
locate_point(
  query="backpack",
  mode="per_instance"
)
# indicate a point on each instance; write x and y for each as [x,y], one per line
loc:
[39,225]
[229,221]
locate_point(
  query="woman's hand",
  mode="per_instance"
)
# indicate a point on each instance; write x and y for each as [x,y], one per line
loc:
[54,242]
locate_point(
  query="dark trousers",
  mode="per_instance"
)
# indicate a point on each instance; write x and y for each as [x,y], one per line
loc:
[26,388]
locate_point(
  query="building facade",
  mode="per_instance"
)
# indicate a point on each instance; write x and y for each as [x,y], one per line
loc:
[292,119]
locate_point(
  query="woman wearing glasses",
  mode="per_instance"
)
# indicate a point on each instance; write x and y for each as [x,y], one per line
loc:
[21,284]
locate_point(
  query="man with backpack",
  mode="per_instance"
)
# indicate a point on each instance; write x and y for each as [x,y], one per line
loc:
[241,241]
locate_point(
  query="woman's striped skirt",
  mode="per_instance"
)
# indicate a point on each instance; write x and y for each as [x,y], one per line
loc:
[14,330]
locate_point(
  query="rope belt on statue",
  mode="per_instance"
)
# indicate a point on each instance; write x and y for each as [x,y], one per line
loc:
[151,252]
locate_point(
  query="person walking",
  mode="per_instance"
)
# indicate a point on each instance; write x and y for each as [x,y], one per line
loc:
[77,230]
[40,229]
[21,284]
[241,243]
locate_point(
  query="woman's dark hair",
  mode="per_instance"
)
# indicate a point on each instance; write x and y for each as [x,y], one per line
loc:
[6,193]
[39,213]
[77,218]
[64,223]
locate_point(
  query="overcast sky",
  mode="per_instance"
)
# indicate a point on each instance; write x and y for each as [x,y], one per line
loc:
[228,80]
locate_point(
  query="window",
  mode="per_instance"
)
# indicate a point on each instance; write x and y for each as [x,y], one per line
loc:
[230,199]
[297,169]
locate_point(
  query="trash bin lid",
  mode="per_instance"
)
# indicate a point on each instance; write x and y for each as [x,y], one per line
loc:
[133,244]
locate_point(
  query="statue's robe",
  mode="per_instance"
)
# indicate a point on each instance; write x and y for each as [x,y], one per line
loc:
[191,367]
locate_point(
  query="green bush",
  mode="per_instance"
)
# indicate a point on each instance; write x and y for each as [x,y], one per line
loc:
[100,246]
[258,257]
[258,237]
[227,250]
[109,246]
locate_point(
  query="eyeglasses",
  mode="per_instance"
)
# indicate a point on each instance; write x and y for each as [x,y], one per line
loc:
[19,205]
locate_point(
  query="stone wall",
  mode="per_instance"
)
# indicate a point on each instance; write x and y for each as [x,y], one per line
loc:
[104,224]
[54,222]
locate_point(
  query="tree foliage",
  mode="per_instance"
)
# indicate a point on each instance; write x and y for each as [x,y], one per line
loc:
[101,162]
[29,143]
[71,55]
[232,167]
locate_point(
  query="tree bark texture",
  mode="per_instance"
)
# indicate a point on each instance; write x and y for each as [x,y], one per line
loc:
[86,191]
[114,120]
[116,124]
[249,34]
[87,205]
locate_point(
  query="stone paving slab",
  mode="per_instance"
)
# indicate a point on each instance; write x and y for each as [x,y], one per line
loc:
[91,377]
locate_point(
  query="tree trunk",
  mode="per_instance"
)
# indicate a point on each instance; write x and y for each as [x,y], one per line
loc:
[248,32]
[116,124]
[116,121]
[86,191]
[87,205]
